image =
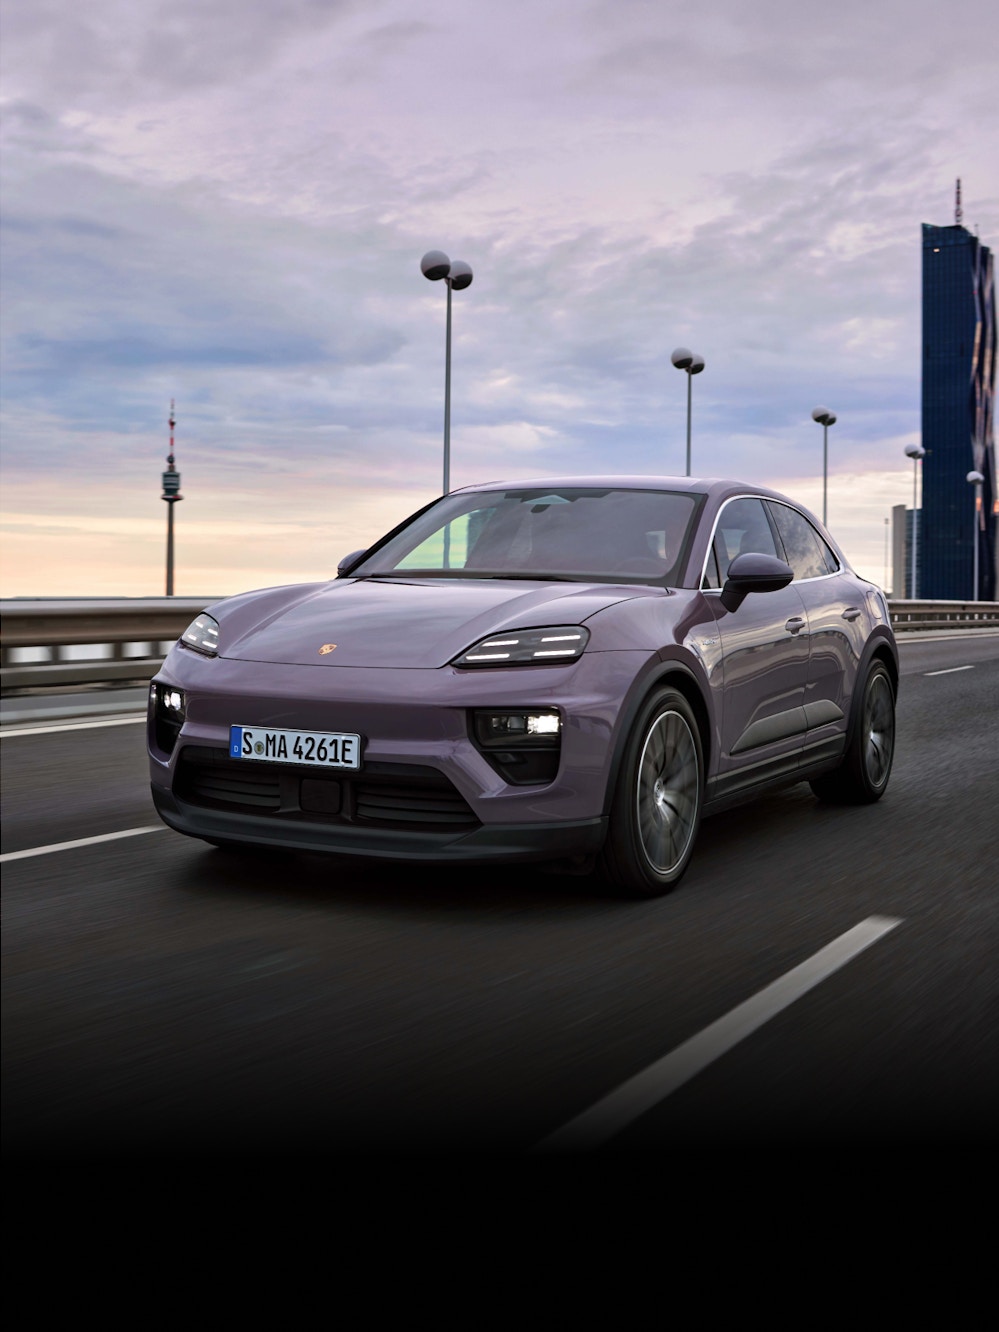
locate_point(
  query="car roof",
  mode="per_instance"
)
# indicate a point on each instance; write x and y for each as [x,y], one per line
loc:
[717,487]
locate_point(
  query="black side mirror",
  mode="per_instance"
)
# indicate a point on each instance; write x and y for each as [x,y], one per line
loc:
[753,572]
[348,562]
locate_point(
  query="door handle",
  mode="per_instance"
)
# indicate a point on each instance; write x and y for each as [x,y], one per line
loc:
[794,624]
[851,613]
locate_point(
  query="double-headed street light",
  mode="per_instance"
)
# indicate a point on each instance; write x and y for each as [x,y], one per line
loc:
[684,359]
[915,452]
[435,265]
[825,418]
[977,479]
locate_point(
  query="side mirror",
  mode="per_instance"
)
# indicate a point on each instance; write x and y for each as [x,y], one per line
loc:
[753,572]
[348,562]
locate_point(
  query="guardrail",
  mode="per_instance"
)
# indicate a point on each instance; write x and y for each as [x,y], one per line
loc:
[84,641]
[915,615]
[72,642]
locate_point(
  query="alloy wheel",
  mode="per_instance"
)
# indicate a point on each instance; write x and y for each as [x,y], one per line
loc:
[667,792]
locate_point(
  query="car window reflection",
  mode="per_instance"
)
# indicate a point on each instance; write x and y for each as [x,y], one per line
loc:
[638,535]
[742,528]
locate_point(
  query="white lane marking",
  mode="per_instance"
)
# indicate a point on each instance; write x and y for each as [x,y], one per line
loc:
[950,670]
[640,1093]
[7,731]
[80,841]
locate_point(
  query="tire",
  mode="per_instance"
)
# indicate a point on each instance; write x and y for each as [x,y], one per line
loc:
[656,809]
[863,775]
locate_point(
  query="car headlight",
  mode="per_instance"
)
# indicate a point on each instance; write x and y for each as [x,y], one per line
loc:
[202,635]
[538,727]
[553,645]
[167,710]
[522,744]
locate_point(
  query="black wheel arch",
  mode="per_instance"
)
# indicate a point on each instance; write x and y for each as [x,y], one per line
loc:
[679,676]
[879,647]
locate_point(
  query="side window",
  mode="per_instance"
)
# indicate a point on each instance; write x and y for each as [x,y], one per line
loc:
[742,527]
[807,554]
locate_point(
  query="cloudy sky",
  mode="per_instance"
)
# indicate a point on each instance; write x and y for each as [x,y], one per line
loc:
[225,202]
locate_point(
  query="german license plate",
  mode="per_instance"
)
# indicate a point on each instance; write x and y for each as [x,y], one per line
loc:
[312,749]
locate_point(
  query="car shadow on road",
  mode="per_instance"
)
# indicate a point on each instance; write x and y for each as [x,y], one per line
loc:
[744,845]
[314,879]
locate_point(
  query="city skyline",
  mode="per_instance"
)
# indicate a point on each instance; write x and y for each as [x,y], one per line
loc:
[227,207]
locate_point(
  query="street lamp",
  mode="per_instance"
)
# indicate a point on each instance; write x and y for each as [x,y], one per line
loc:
[915,452]
[435,265]
[825,418]
[172,495]
[976,479]
[684,359]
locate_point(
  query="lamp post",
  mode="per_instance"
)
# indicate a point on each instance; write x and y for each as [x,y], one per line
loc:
[435,265]
[976,479]
[825,418]
[171,494]
[915,452]
[685,359]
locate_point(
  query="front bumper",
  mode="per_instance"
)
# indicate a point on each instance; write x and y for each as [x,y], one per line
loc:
[425,791]
[499,842]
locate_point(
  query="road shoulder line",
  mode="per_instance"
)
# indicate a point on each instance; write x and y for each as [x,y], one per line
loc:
[80,841]
[633,1098]
[7,731]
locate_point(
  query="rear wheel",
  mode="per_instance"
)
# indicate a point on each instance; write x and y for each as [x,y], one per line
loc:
[657,805]
[863,775]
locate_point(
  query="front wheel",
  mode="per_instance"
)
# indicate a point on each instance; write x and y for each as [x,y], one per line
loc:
[656,809]
[863,775]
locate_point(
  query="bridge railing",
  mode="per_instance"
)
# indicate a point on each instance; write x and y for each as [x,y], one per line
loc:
[83,641]
[117,639]
[914,615]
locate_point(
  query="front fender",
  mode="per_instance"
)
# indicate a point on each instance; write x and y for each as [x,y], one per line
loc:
[689,678]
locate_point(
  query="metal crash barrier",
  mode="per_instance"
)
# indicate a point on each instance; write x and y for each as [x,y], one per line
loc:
[81,641]
[124,639]
[914,615]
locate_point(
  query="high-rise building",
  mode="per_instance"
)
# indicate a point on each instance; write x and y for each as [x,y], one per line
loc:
[959,376]
[903,522]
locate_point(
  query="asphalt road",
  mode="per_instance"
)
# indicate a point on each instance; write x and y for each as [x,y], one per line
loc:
[163,998]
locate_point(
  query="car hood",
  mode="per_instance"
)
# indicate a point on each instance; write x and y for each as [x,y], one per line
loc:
[420,623]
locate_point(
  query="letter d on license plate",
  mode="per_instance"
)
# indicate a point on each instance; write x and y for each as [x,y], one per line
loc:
[312,749]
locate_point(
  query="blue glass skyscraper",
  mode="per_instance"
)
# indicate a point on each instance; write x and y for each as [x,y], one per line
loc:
[959,376]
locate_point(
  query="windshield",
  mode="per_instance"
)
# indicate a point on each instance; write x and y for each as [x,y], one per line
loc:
[585,534]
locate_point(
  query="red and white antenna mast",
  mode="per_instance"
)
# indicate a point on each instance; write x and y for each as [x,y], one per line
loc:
[958,210]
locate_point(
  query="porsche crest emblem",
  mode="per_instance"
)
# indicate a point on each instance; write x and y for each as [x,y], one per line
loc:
[326,649]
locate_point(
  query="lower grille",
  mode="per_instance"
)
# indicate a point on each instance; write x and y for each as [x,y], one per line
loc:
[258,791]
[395,795]
[404,803]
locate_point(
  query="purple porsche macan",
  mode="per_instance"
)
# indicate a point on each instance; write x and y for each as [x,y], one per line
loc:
[570,670]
